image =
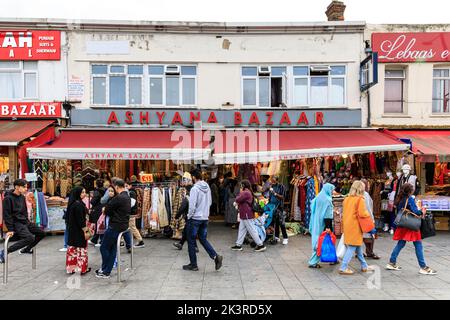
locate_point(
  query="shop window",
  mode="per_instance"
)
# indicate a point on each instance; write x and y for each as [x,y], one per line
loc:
[172,85]
[18,80]
[394,91]
[441,93]
[319,85]
[117,85]
[264,86]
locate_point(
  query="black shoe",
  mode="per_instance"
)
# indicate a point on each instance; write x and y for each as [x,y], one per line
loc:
[178,245]
[260,248]
[129,250]
[189,267]
[102,275]
[140,245]
[23,251]
[236,248]
[218,260]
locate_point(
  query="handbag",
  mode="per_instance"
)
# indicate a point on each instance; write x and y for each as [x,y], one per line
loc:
[366,223]
[407,219]
[89,232]
[427,228]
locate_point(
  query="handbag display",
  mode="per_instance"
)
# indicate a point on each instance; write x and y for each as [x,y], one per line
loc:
[407,219]
[427,228]
[366,223]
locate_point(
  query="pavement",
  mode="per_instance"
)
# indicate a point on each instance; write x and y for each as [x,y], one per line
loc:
[280,272]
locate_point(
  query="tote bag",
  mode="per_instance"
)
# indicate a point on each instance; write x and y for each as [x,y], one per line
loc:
[366,223]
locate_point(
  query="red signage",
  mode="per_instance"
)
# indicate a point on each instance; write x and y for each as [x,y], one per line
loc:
[30,110]
[412,47]
[30,45]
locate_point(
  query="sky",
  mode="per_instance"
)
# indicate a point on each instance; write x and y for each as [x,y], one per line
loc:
[371,11]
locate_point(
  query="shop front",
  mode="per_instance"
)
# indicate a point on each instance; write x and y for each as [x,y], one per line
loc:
[159,146]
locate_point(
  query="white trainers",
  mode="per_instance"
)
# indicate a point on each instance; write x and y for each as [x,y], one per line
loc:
[394,267]
[91,243]
[427,271]
[63,250]
[285,241]
[98,245]
[277,239]
[391,231]
[386,228]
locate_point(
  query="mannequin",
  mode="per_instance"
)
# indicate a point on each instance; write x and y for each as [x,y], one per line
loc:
[407,177]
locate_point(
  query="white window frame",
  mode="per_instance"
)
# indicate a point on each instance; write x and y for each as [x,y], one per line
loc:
[403,79]
[441,78]
[308,78]
[127,83]
[22,72]
[257,77]
[180,77]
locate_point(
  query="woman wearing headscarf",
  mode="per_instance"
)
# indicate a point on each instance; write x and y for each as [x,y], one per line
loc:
[321,220]
[77,255]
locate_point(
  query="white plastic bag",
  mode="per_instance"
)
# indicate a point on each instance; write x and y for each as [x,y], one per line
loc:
[341,248]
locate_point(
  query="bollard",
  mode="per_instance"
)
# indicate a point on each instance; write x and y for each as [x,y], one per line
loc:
[119,269]
[33,259]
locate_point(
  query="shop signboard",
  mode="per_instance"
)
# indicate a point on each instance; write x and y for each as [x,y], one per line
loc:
[412,47]
[30,45]
[30,110]
[246,118]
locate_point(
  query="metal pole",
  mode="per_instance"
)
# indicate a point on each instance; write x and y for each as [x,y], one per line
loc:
[33,259]
[132,249]
[5,265]
[118,256]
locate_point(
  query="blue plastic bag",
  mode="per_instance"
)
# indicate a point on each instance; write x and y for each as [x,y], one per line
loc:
[328,251]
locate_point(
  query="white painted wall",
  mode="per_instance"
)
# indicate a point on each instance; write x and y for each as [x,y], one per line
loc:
[219,79]
[418,88]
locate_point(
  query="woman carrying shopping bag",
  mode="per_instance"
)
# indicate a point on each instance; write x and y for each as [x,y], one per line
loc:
[354,210]
[321,219]
[406,202]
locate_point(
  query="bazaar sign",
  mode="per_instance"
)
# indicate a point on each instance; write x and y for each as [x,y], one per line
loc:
[30,45]
[227,118]
[30,110]
[412,47]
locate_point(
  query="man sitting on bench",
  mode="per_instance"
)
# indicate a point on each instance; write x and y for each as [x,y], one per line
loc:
[16,219]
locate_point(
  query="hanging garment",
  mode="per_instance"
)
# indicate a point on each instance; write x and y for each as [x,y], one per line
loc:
[373,163]
[43,212]
[302,198]
[167,203]
[310,195]
[162,211]
[1,210]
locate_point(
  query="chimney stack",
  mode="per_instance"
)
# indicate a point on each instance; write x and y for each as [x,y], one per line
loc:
[335,11]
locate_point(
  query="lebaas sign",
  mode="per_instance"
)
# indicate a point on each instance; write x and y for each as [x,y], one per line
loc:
[30,110]
[30,45]
[412,47]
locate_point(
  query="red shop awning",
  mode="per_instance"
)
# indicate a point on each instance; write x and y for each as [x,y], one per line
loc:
[263,146]
[125,145]
[12,132]
[428,144]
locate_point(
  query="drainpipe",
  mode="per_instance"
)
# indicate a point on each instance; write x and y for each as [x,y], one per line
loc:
[369,123]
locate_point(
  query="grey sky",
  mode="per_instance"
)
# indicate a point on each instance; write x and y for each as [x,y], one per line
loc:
[372,11]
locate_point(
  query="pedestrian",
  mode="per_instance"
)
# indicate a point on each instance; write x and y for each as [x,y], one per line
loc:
[369,238]
[245,201]
[277,194]
[198,216]
[77,231]
[405,200]
[354,206]
[266,185]
[133,229]
[118,210]
[183,213]
[15,217]
[231,213]
[96,210]
[321,220]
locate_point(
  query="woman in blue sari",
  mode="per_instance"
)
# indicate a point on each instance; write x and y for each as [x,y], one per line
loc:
[321,219]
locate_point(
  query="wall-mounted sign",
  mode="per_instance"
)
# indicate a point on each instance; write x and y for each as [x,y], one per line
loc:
[30,110]
[412,47]
[76,88]
[30,45]
[31,177]
[278,118]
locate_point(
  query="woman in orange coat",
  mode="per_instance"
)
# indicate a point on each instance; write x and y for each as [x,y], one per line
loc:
[354,205]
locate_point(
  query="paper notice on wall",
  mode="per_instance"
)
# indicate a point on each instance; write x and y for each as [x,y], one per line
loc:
[76,88]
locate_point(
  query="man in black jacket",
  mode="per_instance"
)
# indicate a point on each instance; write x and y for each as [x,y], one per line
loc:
[118,210]
[15,215]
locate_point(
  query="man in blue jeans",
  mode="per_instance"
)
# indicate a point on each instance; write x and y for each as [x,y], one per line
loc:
[198,215]
[118,210]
